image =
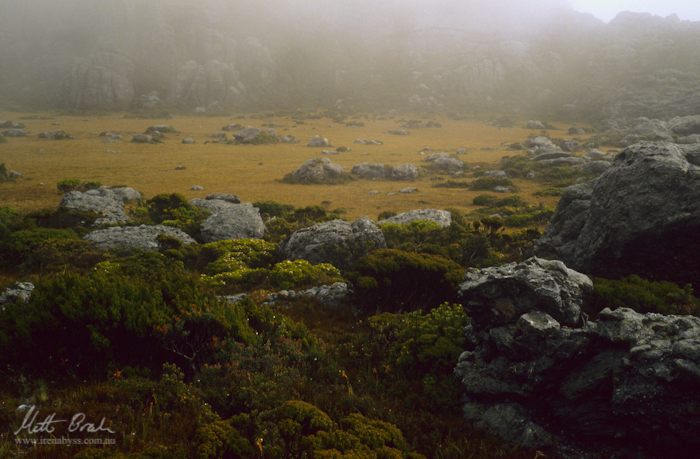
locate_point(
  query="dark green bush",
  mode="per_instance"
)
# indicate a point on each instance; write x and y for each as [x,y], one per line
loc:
[453,184]
[85,323]
[67,185]
[269,209]
[395,280]
[489,200]
[174,210]
[489,183]
[643,296]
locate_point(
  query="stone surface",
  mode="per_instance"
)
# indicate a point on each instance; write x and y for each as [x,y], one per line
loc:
[18,292]
[229,220]
[129,238]
[445,163]
[318,141]
[337,242]
[641,216]
[441,217]
[318,171]
[537,375]
[104,201]
[333,295]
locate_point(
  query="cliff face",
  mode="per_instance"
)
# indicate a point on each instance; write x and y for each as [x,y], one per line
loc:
[185,54]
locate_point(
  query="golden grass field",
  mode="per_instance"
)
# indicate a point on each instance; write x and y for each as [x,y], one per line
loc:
[251,171]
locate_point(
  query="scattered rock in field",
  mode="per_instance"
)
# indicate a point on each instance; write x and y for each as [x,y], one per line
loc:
[288,139]
[495,173]
[399,132]
[188,141]
[144,138]
[407,172]
[337,242]
[368,142]
[444,163]
[534,124]
[229,220]
[641,217]
[161,128]
[11,125]
[330,152]
[111,137]
[130,238]
[409,190]
[503,189]
[318,141]
[196,188]
[416,124]
[104,201]
[369,171]
[576,131]
[54,135]
[180,167]
[14,133]
[318,171]
[233,127]
[441,217]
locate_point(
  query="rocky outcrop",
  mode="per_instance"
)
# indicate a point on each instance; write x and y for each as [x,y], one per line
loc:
[318,171]
[642,216]
[538,374]
[444,163]
[229,220]
[441,217]
[104,201]
[337,242]
[130,238]
[103,81]
[333,295]
[207,85]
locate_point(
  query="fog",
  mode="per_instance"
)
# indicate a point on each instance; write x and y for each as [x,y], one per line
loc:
[472,56]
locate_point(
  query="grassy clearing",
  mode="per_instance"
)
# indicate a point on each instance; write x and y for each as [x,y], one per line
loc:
[252,171]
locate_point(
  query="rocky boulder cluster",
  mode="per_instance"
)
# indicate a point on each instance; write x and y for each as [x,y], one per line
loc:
[374,171]
[642,217]
[229,219]
[318,171]
[539,375]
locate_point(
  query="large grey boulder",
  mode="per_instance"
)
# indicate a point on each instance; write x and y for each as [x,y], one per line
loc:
[538,375]
[641,216]
[445,163]
[317,141]
[104,201]
[318,171]
[369,171]
[229,220]
[441,217]
[337,242]
[130,238]
[373,171]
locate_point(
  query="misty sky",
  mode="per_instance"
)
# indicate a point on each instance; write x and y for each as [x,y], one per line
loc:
[608,9]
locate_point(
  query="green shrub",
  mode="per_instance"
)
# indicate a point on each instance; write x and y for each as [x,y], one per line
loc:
[231,255]
[643,296]
[489,183]
[395,280]
[174,210]
[84,323]
[269,209]
[488,200]
[67,185]
[453,184]
[530,217]
[4,173]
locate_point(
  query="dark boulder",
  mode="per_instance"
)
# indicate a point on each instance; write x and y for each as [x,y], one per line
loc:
[641,216]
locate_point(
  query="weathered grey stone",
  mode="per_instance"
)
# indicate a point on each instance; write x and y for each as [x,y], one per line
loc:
[104,201]
[534,124]
[15,133]
[369,171]
[143,138]
[318,141]
[445,163]
[406,172]
[232,198]
[500,295]
[129,238]
[318,171]
[539,376]
[685,125]
[642,216]
[441,217]
[337,242]
[54,135]
[18,292]
[229,220]
[333,295]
